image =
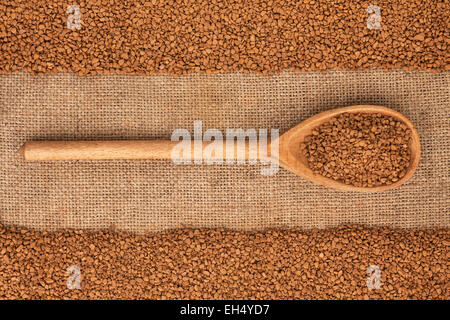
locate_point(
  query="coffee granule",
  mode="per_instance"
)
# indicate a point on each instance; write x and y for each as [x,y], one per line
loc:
[177,37]
[360,149]
[224,264]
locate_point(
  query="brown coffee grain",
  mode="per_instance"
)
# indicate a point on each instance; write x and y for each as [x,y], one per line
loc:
[361,149]
[224,264]
[178,37]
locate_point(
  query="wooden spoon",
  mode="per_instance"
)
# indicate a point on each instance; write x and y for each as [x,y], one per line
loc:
[290,155]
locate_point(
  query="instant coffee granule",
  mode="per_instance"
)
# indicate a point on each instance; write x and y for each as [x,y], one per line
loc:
[337,263]
[177,37]
[360,149]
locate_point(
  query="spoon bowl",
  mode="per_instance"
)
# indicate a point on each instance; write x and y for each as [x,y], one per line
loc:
[291,156]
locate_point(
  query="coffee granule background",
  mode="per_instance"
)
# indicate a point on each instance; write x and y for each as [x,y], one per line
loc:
[224,264]
[177,37]
[361,149]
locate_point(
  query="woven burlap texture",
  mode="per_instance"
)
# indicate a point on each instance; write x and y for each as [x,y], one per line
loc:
[145,195]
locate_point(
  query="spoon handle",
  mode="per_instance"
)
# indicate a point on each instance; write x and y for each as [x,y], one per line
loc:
[139,149]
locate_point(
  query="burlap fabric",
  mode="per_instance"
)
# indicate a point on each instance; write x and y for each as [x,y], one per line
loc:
[145,195]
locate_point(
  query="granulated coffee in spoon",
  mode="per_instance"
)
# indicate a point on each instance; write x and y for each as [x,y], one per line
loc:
[360,149]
